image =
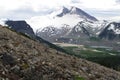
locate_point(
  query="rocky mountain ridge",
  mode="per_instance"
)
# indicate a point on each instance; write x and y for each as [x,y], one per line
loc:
[111,31]
[86,28]
[21,26]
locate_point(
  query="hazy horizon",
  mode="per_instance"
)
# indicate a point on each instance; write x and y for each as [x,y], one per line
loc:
[25,9]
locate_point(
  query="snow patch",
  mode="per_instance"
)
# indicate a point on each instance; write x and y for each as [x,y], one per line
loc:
[112,27]
[116,30]
[39,22]
[2,22]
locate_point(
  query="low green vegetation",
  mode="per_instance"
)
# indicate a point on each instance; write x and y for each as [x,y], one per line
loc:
[90,52]
[94,39]
[106,57]
[108,61]
[51,45]
[79,78]
[24,35]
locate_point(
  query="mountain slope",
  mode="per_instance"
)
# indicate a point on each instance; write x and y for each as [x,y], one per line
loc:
[111,31]
[51,33]
[25,59]
[79,30]
[21,26]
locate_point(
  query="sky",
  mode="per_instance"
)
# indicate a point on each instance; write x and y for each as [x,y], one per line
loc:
[25,9]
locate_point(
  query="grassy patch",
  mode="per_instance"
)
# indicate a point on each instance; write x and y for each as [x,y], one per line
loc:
[108,61]
[52,45]
[24,35]
[108,58]
[94,39]
[79,78]
[87,53]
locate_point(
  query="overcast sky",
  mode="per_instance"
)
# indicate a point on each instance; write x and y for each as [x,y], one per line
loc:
[25,9]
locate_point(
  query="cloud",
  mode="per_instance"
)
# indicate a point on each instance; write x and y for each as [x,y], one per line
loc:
[99,4]
[103,14]
[23,13]
[38,5]
[118,1]
[75,1]
[28,8]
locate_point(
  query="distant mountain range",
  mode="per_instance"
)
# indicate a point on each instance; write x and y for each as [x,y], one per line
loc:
[86,26]
[71,25]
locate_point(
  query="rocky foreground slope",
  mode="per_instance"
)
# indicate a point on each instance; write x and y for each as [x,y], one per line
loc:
[24,59]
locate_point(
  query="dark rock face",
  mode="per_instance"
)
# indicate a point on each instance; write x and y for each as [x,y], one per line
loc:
[111,32]
[7,59]
[79,31]
[64,11]
[21,26]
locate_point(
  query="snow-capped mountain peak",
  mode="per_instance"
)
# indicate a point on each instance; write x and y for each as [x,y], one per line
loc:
[66,15]
[63,12]
[73,9]
[76,11]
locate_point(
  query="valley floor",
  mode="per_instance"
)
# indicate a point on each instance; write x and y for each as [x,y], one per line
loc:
[100,54]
